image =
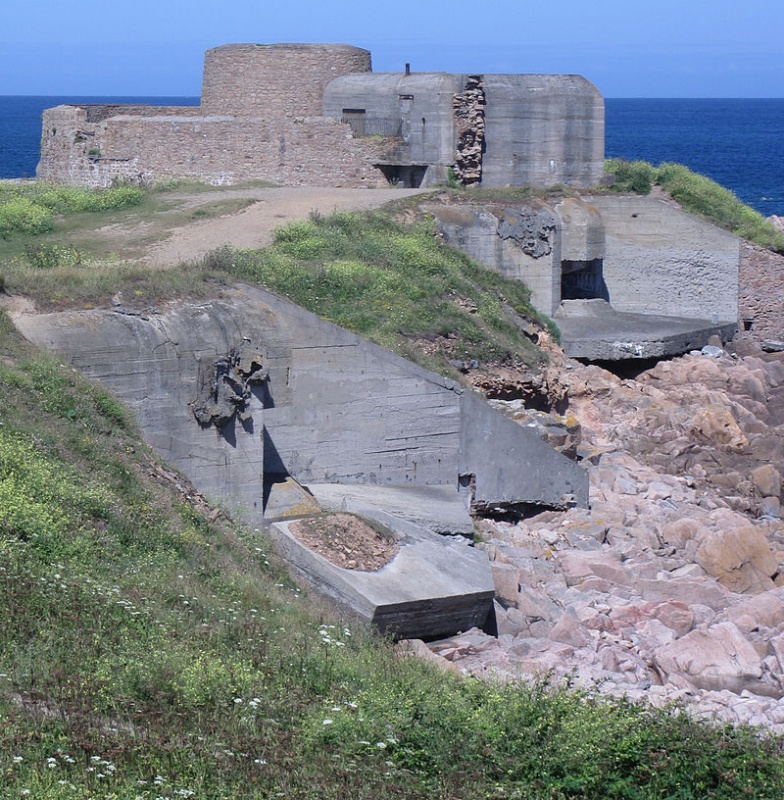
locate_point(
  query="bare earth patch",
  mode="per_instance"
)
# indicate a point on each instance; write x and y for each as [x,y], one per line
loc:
[346,541]
[253,226]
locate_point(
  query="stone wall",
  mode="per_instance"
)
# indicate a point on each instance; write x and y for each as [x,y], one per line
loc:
[276,80]
[219,150]
[762,292]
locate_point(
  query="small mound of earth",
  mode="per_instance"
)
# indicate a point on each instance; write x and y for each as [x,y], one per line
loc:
[346,541]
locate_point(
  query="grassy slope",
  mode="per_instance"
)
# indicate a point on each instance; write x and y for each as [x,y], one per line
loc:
[146,652]
[698,195]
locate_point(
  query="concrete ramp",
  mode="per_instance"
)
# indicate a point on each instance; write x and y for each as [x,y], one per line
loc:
[439,509]
[435,585]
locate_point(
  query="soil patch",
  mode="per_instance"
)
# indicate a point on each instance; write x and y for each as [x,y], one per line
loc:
[347,541]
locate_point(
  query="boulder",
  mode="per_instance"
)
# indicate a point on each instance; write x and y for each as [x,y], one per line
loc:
[715,425]
[713,658]
[767,480]
[740,559]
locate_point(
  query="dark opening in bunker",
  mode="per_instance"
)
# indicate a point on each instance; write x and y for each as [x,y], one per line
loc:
[407,176]
[583,280]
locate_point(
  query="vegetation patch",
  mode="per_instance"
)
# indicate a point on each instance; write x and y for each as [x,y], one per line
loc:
[347,540]
[697,195]
[396,284]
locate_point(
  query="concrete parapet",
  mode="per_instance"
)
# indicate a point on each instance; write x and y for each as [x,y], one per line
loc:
[660,260]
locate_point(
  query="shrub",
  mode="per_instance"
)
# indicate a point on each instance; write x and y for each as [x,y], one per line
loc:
[22,215]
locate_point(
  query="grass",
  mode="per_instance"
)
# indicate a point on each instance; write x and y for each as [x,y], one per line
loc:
[394,283]
[698,195]
[147,652]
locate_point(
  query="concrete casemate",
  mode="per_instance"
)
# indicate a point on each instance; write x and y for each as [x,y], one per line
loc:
[255,400]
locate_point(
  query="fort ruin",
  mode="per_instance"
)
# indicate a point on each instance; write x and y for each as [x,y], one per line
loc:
[316,114]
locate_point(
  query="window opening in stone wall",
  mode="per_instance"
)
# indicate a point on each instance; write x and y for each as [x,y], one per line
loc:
[364,124]
[583,280]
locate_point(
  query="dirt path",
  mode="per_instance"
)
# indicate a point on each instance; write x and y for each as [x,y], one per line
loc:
[252,227]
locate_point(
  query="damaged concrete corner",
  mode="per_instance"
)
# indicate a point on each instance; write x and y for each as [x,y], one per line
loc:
[532,229]
[468,108]
[223,385]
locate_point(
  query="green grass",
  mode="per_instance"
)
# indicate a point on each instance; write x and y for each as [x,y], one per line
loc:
[698,195]
[394,283]
[147,652]
[30,208]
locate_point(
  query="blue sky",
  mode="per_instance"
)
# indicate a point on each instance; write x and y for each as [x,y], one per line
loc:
[628,48]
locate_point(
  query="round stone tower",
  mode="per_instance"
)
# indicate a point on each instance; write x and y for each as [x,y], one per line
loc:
[275,80]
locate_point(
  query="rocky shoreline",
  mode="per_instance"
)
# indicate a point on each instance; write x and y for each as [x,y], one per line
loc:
[670,588]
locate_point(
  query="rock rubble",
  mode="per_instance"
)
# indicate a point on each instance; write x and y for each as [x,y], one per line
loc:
[670,588]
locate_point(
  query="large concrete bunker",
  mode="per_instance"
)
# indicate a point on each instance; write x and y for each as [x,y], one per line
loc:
[315,114]
[624,277]
[250,393]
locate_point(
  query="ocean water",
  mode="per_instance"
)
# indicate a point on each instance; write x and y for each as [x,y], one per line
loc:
[739,143]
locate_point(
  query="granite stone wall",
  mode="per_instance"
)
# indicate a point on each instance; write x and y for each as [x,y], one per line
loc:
[276,80]
[309,151]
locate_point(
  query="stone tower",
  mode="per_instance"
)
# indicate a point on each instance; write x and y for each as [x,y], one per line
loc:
[274,80]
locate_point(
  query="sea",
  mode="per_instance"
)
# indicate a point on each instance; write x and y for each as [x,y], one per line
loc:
[737,142]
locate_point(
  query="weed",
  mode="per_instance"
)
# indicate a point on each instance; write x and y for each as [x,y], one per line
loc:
[392,283]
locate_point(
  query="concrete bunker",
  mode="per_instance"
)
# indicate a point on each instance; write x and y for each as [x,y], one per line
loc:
[315,114]
[276,413]
[624,277]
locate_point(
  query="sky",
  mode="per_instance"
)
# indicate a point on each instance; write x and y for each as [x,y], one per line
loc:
[628,48]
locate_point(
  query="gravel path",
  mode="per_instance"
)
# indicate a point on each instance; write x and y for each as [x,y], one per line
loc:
[253,226]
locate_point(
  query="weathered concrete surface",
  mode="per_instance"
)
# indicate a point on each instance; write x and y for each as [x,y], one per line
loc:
[438,508]
[507,472]
[528,250]
[541,130]
[660,260]
[668,280]
[433,586]
[334,408]
[593,330]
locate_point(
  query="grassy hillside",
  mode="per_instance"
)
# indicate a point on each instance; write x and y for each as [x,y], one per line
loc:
[148,652]
[150,649]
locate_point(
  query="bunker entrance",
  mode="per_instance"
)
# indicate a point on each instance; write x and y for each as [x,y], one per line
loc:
[407,176]
[583,280]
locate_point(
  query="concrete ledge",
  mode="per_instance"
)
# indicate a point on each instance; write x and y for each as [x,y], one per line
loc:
[434,587]
[593,330]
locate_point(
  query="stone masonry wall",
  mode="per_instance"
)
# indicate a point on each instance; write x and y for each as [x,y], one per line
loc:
[313,151]
[279,80]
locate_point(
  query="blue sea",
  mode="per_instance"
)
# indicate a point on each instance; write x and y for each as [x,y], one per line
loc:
[739,143]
